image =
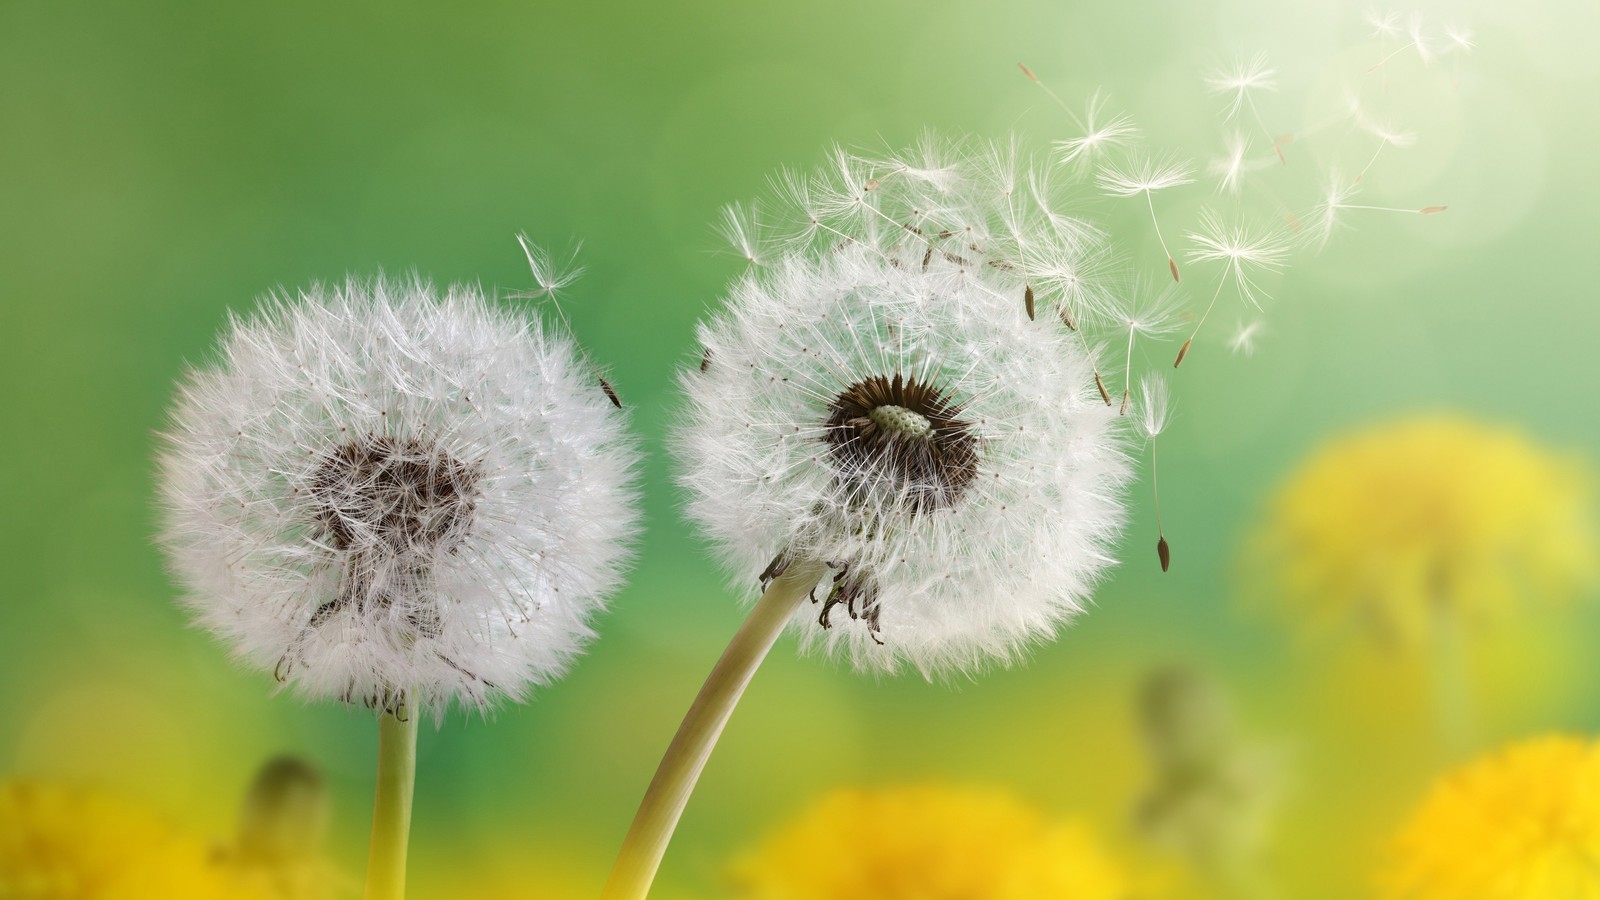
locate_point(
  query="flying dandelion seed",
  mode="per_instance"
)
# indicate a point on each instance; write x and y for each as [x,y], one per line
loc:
[1388,27]
[1153,313]
[1239,85]
[1155,406]
[1098,131]
[1326,216]
[1242,252]
[1146,176]
[1387,137]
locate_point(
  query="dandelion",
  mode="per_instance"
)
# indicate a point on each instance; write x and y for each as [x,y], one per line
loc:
[927,841]
[391,496]
[883,429]
[1239,85]
[1146,176]
[1154,408]
[1242,251]
[1420,531]
[1520,824]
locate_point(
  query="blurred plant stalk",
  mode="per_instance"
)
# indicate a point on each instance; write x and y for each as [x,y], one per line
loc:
[675,779]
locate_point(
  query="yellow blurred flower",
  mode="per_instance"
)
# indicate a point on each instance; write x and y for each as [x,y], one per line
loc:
[1388,527]
[1523,824]
[929,843]
[61,842]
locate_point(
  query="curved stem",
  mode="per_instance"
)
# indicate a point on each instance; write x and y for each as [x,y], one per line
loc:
[686,756]
[391,808]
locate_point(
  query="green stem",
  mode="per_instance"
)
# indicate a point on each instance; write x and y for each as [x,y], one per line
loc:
[686,756]
[1452,688]
[391,808]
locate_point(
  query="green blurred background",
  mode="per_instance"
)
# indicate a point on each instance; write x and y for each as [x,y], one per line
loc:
[162,163]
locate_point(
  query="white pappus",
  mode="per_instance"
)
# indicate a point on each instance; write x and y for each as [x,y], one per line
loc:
[887,399]
[391,495]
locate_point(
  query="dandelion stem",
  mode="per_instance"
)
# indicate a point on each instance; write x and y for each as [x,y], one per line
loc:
[1203,316]
[391,809]
[686,756]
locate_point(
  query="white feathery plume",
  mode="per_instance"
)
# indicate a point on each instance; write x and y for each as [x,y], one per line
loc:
[1239,85]
[1243,252]
[1098,132]
[1146,175]
[741,228]
[395,496]
[1230,168]
[1245,336]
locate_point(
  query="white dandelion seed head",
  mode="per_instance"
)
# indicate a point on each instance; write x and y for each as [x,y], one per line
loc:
[883,403]
[1154,406]
[386,494]
[1240,80]
[1244,251]
[1144,175]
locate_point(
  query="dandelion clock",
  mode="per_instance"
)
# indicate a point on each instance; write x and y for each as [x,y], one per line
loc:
[386,494]
[893,429]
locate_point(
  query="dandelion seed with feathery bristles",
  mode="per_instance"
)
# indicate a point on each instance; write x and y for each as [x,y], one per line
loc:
[1155,405]
[1239,84]
[884,421]
[1144,176]
[392,496]
[1241,250]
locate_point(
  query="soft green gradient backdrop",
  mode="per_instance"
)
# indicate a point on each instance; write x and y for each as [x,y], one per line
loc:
[162,163]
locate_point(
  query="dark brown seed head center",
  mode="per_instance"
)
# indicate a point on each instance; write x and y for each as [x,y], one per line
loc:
[390,495]
[891,431]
